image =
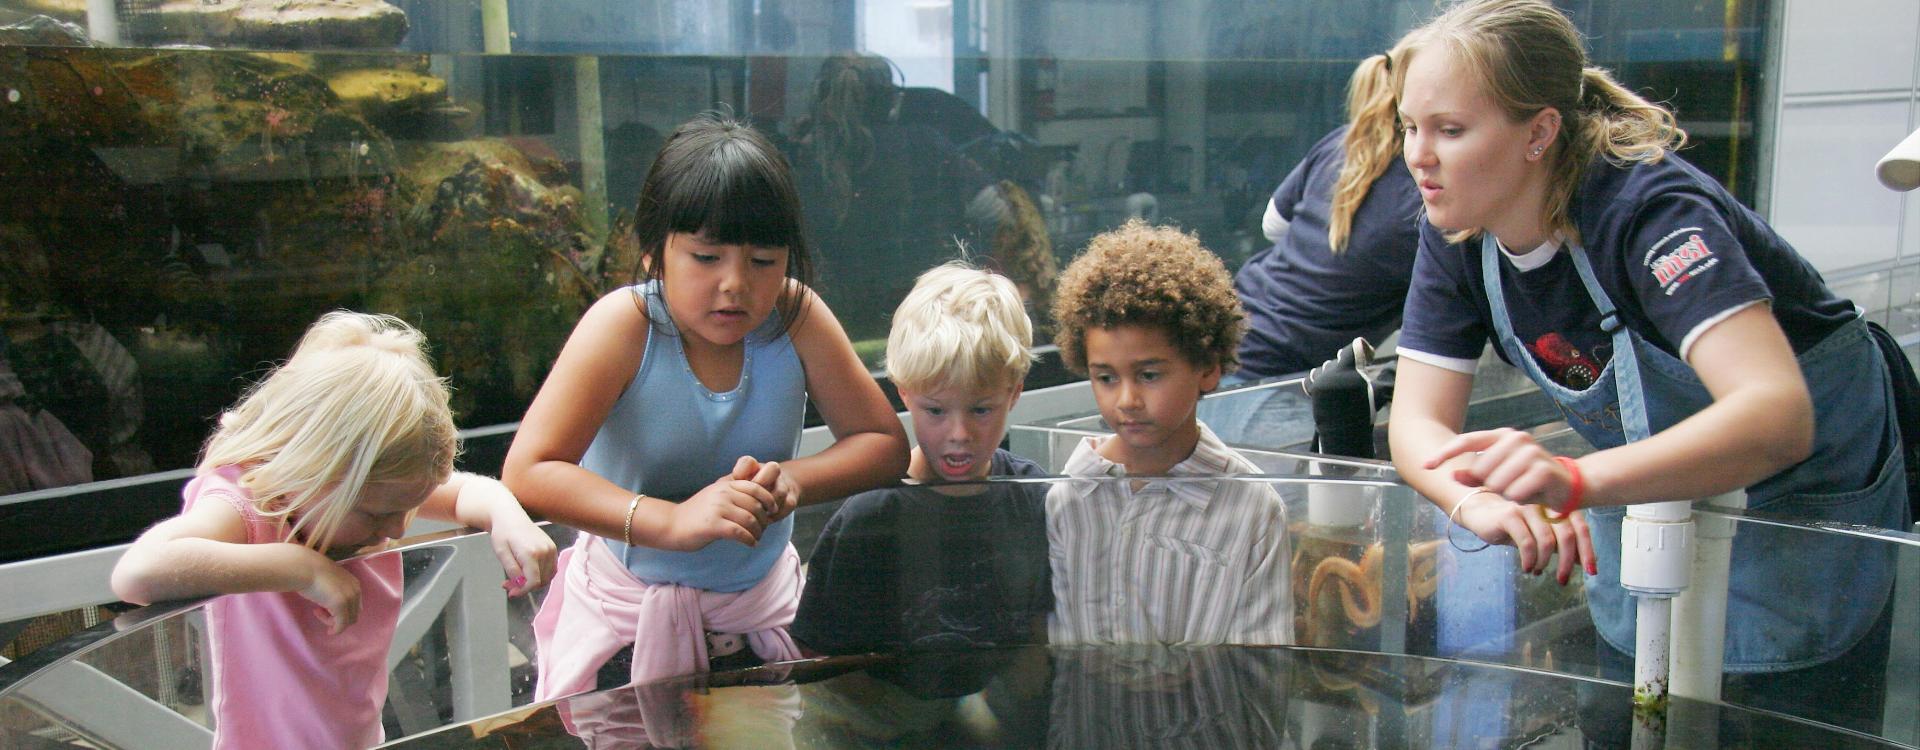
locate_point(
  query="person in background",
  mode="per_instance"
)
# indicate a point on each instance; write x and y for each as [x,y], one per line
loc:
[884,199]
[1344,226]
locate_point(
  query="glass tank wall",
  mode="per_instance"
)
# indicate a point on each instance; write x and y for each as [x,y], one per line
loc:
[1404,633]
[184,186]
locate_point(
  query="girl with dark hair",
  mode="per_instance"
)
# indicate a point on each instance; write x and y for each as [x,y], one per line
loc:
[1681,335]
[665,428]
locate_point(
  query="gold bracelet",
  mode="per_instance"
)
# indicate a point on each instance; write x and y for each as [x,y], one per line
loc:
[627,530]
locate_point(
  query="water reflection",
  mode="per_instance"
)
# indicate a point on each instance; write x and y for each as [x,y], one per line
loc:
[1128,697]
[457,659]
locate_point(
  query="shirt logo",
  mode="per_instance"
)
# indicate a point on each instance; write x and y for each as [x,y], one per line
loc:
[1671,270]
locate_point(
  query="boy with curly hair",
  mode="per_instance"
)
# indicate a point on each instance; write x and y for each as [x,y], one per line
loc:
[1178,556]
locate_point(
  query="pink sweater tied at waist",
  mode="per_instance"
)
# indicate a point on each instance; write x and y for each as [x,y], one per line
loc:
[598,607]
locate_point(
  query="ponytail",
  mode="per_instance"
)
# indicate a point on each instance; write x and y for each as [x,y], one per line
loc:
[1373,138]
[1610,122]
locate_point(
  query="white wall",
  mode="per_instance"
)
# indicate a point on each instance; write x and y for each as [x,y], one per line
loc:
[1847,94]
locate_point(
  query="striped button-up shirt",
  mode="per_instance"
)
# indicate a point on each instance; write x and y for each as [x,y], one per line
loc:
[1186,559]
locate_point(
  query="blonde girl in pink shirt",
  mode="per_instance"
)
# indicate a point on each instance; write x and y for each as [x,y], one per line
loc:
[335,451]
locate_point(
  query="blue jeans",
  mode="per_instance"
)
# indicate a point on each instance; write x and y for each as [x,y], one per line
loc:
[1276,418]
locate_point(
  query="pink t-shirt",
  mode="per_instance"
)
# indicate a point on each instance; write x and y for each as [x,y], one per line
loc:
[279,680]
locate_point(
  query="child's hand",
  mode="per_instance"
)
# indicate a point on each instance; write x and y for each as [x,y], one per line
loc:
[335,590]
[727,509]
[784,488]
[526,552]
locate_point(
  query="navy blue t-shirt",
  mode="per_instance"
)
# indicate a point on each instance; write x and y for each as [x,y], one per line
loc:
[912,568]
[1303,301]
[1670,247]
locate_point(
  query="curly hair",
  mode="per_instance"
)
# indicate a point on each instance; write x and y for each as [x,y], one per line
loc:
[1150,276]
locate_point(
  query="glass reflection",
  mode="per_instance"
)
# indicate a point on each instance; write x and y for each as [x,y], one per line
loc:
[1124,697]
[457,659]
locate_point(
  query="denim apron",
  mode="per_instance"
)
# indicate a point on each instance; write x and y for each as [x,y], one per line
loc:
[1795,598]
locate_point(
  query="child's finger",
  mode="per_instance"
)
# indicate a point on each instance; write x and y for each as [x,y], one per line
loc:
[761,497]
[769,474]
[734,518]
[769,477]
[511,566]
[745,468]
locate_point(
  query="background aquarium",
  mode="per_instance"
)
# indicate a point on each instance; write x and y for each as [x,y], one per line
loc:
[185,185]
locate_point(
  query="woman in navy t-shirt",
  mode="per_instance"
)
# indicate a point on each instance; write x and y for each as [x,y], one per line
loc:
[1679,334]
[1344,224]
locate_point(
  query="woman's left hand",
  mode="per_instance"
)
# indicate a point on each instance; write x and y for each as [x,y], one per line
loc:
[1509,462]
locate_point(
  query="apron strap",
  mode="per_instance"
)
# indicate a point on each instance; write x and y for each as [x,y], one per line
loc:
[1625,361]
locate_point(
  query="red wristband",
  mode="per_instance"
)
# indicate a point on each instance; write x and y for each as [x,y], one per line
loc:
[1577,487]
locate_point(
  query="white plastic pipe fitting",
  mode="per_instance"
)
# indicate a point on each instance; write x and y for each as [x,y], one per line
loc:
[1656,548]
[1900,168]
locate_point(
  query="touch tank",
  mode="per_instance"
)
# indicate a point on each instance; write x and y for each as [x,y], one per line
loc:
[1457,657]
[185,185]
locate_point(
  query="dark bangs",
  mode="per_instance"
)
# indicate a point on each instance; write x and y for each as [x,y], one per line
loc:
[723,180]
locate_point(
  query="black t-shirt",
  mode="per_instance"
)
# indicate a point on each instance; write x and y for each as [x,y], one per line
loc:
[912,568]
[1303,301]
[1670,247]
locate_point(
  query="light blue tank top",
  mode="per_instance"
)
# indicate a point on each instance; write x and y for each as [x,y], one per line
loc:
[669,437]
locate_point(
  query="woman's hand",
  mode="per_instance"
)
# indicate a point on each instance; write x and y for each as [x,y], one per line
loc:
[334,589]
[1508,462]
[1497,520]
[730,508]
[781,485]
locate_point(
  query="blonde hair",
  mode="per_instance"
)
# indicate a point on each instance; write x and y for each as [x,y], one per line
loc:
[357,402]
[1530,57]
[1371,143]
[960,327]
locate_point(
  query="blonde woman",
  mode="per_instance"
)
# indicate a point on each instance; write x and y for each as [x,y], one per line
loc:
[1344,223]
[1681,335]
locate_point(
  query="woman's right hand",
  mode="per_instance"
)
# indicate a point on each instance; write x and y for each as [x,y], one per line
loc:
[335,590]
[729,508]
[1497,520]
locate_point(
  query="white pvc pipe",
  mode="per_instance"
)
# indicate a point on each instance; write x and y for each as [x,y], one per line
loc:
[1651,644]
[1656,563]
[1700,612]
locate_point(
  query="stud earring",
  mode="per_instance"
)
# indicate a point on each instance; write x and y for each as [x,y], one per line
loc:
[1536,152]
